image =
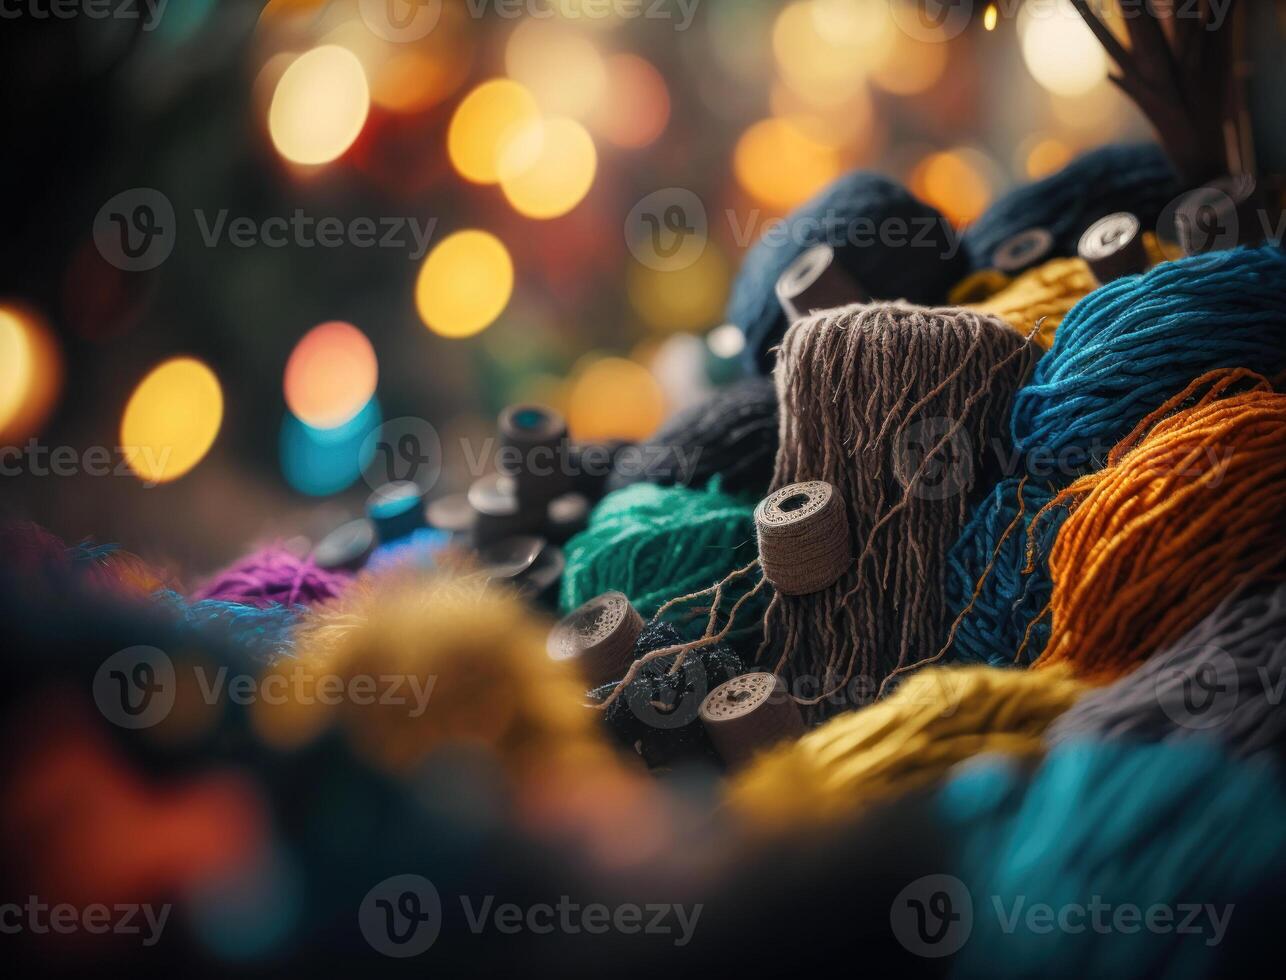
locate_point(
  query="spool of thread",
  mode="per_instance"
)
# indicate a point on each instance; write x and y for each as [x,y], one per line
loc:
[1220,215]
[1130,345]
[1217,681]
[814,281]
[1109,826]
[1136,178]
[1113,247]
[566,516]
[598,637]
[347,547]
[534,452]
[897,407]
[451,513]
[1022,251]
[803,537]
[1035,303]
[731,435]
[936,719]
[748,715]
[396,509]
[853,216]
[1190,508]
[272,575]
[498,511]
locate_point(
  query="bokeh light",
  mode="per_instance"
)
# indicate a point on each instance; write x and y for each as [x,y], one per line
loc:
[614,398]
[548,168]
[1059,50]
[1042,156]
[330,375]
[956,182]
[780,166]
[825,48]
[690,298]
[319,106]
[637,107]
[558,65]
[171,420]
[726,340]
[916,68]
[464,284]
[319,462]
[30,373]
[484,123]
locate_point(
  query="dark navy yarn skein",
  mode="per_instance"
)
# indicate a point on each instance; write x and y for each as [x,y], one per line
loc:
[1124,177]
[893,245]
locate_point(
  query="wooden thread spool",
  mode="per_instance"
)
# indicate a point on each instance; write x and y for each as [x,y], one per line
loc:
[815,281]
[1022,251]
[748,714]
[1113,247]
[535,451]
[804,542]
[1222,214]
[599,636]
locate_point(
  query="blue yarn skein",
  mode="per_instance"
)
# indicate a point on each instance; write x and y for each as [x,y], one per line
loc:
[992,630]
[893,245]
[1127,347]
[1111,824]
[260,635]
[1123,177]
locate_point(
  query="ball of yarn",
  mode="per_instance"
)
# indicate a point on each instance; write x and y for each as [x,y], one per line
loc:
[897,407]
[1133,343]
[1126,177]
[997,582]
[731,435]
[934,720]
[470,667]
[111,567]
[1220,680]
[1106,825]
[273,575]
[893,245]
[656,714]
[1035,302]
[656,543]
[1191,506]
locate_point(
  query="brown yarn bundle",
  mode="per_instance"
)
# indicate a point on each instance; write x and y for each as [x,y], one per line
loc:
[897,407]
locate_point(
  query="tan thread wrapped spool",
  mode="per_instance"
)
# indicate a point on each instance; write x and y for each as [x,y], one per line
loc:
[804,542]
[748,714]
[599,636]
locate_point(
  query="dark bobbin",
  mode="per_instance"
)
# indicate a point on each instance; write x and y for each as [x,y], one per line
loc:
[599,636]
[1022,251]
[347,547]
[815,281]
[1113,247]
[534,451]
[396,509]
[748,714]
[499,512]
[451,513]
[803,537]
[1220,215]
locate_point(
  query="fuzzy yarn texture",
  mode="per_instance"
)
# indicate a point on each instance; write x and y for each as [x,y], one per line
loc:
[892,244]
[934,720]
[731,435]
[260,634]
[656,715]
[419,549]
[1221,680]
[1035,302]
[1130,345]
[1122,177]
[273,575]
[1102,826]
[901,409]
[997,582]
[1190,508]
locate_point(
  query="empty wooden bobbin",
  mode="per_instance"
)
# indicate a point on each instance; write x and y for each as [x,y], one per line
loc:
[1113,247]
[535,451]
[748,714]
[599,637]
[1022,251]
[1222,214]
[815,281]
[803,537]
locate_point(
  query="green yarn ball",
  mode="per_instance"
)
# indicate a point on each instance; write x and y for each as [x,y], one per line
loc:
[656,543]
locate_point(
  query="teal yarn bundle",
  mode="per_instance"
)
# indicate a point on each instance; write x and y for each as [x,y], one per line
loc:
[893,245]
[656,543]
[1107,829]
[1132,344]
[259,634]
[998,582]
[1122,177]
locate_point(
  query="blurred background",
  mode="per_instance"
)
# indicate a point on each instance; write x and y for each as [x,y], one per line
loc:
[239,237]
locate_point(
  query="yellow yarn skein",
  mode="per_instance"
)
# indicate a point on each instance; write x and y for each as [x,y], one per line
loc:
[938,718]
